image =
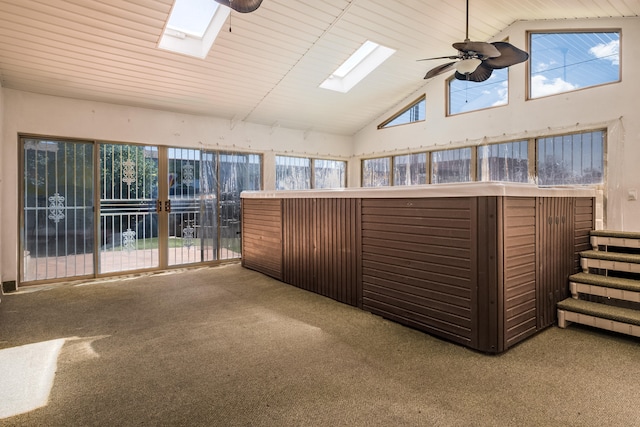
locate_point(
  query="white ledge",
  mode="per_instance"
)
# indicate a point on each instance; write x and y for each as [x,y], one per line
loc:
[466,189]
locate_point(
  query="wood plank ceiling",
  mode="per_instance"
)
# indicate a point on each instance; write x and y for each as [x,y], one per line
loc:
[267,69]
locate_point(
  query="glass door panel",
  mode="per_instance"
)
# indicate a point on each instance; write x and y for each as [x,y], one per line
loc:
[57,225]
[238,172]
[142,223]
[192,217]
[128,219]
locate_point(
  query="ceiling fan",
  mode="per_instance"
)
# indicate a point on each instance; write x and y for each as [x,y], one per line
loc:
[242,6]
[476,61]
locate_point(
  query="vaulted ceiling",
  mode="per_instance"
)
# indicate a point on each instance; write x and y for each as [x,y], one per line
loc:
[267,69]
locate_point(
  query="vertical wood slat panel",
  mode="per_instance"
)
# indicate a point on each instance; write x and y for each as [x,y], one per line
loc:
[584,217]
[417,264]
[262,236]
[519,256]
[320,250]
[489,300]
[357,242]
[555,254]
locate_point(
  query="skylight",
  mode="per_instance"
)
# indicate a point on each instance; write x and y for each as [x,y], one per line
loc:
[363,61]
[192,17]
[193,26]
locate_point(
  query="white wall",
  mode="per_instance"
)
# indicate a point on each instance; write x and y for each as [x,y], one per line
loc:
[28,113]
[1,178]
[612,106]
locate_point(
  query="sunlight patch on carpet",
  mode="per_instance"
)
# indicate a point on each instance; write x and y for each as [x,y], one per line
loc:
[26,376]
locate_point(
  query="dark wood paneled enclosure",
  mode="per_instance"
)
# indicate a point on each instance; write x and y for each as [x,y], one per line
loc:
[321,247]
[482,265]
[418,258]
[262,236]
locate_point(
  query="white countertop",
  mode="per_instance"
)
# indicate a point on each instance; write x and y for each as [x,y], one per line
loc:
[464,189]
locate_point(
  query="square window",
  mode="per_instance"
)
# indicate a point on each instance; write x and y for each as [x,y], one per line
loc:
[504,162]
[376,172]
[293,173]
[410,169]
[451,165]
[329,173]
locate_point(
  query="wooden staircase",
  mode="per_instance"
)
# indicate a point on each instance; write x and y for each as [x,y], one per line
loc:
[607,293]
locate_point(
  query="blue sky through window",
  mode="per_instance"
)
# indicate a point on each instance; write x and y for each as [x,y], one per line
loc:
[559,62]
[416,112]
[467,96]
[562,62]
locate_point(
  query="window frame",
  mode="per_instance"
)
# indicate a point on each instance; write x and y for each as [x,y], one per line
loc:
[289,165]
[531,161]
[394,163]
[529,70]
[472,164]
[390,177]
[415,102]
[448,112]
[312,171]
[571,134]
[533,152]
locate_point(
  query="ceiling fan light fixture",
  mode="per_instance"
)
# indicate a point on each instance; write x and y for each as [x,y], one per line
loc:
[467,66]
[242,6]
[476,60]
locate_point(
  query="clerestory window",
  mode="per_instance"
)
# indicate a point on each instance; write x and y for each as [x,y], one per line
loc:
[567,61]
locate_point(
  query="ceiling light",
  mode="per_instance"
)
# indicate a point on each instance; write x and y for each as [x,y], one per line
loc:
[242,6]
[467,66]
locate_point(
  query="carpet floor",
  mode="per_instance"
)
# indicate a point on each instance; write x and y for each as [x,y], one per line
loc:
[226,346]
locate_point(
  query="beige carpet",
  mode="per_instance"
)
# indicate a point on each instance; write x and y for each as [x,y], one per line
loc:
[227,346]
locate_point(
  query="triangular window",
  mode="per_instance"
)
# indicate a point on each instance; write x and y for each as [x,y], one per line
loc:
[414,112]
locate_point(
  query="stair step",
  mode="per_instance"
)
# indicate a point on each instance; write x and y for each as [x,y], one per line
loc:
[620,314]
[610,317]
[620,242]
[615,233]
[615,261]
[602,291]
[624,239]
[611,256]
[606,281]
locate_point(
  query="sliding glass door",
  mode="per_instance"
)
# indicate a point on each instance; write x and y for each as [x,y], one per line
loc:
[156,207]
[192,212]
[204,194]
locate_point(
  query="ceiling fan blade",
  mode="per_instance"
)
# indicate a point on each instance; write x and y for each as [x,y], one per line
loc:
[510,55]
[439,70]
[482,73]
[242,6]
[483,49]
[439,57]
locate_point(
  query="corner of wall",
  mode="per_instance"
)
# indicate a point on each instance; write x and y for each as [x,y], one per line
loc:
[1,169]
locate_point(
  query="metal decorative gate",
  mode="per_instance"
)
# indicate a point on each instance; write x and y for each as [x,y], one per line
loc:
[129,236]
[57,226]
[142,221]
